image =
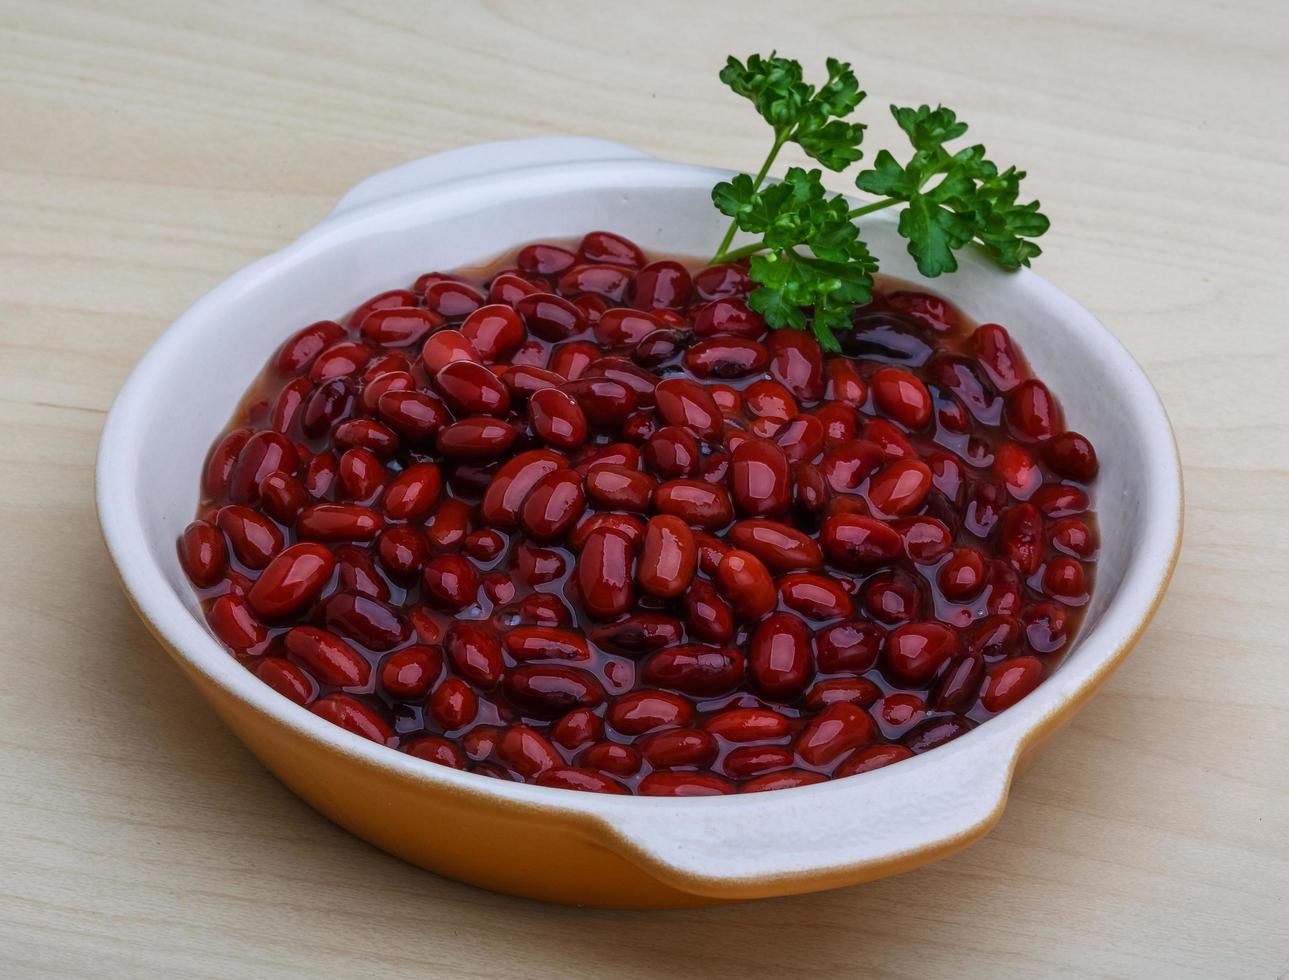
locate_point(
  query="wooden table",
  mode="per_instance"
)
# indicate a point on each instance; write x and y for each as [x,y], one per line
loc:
[147,150]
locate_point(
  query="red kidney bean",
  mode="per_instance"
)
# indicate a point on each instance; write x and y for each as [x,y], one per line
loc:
[696,670]
[963,575]
[342,360]
[780,547]
[203,554]
[998,356]
[605,402]
[1046,627]
[604,246]
[414,415]
[361,475]
[679,747]
[358,574]
[300,350]
[536,566]
[1060,501]
[620,488]
[402,551]
[643,383]
[553,506]
[369,621]
[900,487]
[353,716]
[643,712]
[759,479]
[728,316]
[695,502]
[551,317]
[1032,412]
[935,732]
[484,545]
[373,436]
[572,359]
[544,260]
[665,283]
[1021,538]
[873,757]
[1004,589]
[400,326]
[916,651]
[901,395]
[577,728]
[292,580]
[668,557]
[476,437]
[621,326]
[289,402]
[254,539]
[1071,536]
[1017,469]
[452,300]
[512,483]
[756,760]
[810,493]
[788,779]
[390,299]
[855,690]
[609,281]
[667,783]
[495,331]
[232,621]
[779,661]
[637,634]
[557,418]
[686,403]
[814,596]
[453,704]
[848,464]
[838,729]
[413,493]
[571,777]
[709,616]
[801,438]
[524,380]
[1071,455]
[604,573]
[440,751]
[286,678]
[957,688]
[219,464]
[508,289]
[328,404]
[726,357]
[469,388]
[526,643]
[397,380]
[625,525]
[445,346]
[719,281]
[926,540]
[796,362]
[338,522]
[672,453]
[328,657]
[474,652]
[526,752]
[893,597]
[450,583]
[745,583]
[409,673]
[261,454]
[448,526]
[548,691]
[854,541]
[843,382]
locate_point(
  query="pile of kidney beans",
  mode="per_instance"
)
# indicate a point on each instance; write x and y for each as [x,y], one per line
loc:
[585,522]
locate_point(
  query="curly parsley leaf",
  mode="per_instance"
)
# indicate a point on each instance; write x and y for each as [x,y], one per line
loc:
[814,258]
[970,201]
[814,120]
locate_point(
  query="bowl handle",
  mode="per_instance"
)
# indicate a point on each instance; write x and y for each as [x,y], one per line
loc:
[835,833]
[476,161]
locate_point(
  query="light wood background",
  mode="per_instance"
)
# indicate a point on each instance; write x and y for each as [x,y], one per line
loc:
[147,150]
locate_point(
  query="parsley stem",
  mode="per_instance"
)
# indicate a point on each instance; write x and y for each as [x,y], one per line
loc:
[741,252]
[885,202]
[780,137]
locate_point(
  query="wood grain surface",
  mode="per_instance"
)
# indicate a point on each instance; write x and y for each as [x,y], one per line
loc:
[148,150]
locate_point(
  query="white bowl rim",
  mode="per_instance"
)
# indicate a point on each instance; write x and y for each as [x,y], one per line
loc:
[685,841]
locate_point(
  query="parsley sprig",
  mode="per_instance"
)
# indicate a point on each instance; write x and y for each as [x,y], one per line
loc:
[810,262]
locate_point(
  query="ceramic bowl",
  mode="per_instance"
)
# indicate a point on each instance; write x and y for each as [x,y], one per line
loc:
[466,207]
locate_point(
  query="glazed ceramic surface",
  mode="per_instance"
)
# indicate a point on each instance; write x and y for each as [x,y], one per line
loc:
[465,208]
